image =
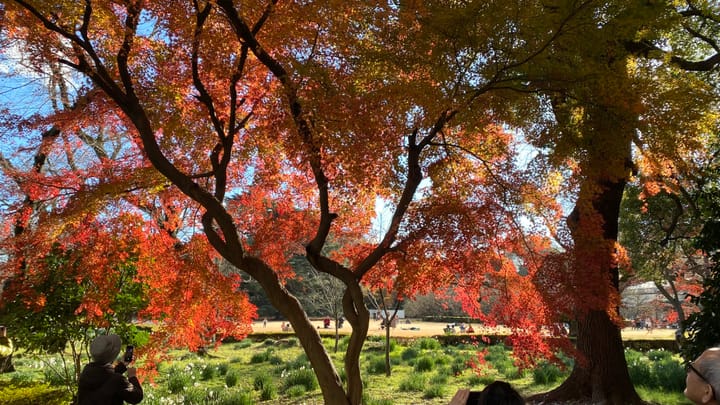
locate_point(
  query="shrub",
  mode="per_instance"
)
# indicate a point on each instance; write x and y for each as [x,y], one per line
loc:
[304,377]
[300,361]
[261,381]
[640,373]
[413,382]
[295,391]
[57,377]
[459,364]
[236,398]
[261,357]
[269,342]
[21,377]
[208,372]
[193,396]
[428,344]
[33,394]
[177,381]
[425,363]
[480,380]
[409,353]
[434,391]
[243,344]
[669,375]
[546,373]
[231,378]
[632,356]
[658,355]
[269,392]
[223,368]
[376,365]
[496,353]
[439,379]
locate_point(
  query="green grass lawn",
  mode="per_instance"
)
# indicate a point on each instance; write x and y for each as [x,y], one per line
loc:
[276,371]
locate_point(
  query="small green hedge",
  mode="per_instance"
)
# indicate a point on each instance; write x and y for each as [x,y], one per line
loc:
[33,394]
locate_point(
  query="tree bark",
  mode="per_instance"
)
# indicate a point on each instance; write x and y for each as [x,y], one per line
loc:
[600,375]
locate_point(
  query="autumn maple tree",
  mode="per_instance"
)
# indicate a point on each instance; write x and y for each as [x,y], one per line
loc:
[275,127]
[283,122]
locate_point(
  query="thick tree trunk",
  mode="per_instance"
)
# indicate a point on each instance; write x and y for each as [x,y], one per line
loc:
[600,376]
[604,379]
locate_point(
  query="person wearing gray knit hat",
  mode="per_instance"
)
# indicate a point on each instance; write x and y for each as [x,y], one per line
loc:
[105,348]
[101,382]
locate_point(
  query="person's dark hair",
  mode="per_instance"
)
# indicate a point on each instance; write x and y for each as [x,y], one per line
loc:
[500,393]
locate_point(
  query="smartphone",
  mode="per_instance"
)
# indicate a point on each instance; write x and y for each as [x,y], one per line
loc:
[128,357]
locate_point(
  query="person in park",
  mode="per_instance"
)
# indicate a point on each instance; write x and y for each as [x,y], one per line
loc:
[6,351]
[496,393]
[702,384]
[101,382]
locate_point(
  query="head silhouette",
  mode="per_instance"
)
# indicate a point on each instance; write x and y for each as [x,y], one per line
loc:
[500,393]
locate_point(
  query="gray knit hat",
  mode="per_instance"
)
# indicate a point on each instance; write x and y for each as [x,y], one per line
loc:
[105,348]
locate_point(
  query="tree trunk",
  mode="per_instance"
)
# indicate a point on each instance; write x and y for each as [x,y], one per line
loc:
[387,350]
[604,379]
[328,378]
[600,375]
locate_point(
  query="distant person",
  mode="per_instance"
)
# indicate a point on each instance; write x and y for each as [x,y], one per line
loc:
[702,384]
[6,351]
[101,382]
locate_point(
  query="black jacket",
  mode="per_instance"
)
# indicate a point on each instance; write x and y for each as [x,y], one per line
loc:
[99,384]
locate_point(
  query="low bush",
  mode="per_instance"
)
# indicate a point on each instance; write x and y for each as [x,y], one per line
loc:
[177,381]
[376,365]
[546,373]
[669,375]
[223,368]
[33,394]
[409,353]
[434,391]
[305,377]
[480,380]
[439,379]
[268,392]
[231,378]
[428,344]
[208,372]
[261,381]
[295,391]
[194,395]
[243,344]
[496,353]
[300,361]
[658,355]
[236,398]
[424,363]
[640,372]
[413,382]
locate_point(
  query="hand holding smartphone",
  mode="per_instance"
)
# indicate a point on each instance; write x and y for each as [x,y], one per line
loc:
[128,357]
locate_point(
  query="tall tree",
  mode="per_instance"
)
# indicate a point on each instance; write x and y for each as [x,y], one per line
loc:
[619,107]
[284,121]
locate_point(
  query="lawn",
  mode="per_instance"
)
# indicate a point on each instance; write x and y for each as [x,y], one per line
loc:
[276,371]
